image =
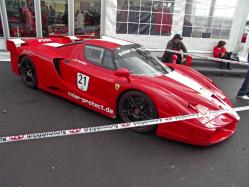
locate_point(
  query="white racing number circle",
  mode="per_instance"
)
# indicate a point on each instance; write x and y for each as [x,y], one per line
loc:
[82,81]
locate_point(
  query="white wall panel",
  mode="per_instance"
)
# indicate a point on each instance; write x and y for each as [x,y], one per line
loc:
[196,45]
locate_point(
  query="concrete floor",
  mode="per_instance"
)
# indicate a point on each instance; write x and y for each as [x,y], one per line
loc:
[121,158]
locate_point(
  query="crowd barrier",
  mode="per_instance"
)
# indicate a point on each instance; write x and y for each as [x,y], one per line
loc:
[94,129]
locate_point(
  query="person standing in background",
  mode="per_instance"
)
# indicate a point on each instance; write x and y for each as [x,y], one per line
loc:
[44,11]
[28,17]
[79,23]
[51,14]
[187,27]
[65,16]
[244,90]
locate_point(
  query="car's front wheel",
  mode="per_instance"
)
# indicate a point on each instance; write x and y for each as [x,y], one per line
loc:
[136,106]
[27,72]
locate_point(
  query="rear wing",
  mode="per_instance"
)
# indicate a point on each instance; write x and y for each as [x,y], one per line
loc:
[54,41]
[14,45]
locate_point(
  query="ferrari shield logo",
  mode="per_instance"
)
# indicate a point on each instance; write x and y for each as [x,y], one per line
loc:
[117,86]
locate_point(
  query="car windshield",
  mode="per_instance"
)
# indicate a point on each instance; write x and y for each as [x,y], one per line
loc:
[139,61]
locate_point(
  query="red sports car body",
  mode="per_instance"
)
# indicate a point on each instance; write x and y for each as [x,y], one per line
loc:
[121,79]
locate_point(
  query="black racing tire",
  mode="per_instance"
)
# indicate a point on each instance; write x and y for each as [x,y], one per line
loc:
[27,72]
[137,106]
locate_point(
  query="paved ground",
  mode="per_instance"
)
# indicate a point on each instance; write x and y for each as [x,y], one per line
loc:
[111,159]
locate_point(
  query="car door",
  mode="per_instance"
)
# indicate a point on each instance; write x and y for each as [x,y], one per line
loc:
[101,81]
[89,76]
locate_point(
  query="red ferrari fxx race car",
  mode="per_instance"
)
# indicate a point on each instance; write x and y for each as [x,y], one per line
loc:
[121,79]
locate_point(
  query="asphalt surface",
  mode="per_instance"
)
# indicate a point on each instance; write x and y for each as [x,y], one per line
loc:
[110,159]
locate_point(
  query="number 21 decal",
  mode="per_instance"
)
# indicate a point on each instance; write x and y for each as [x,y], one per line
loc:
[82,81]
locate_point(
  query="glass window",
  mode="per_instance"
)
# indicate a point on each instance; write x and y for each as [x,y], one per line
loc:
[147,17]
[1,27]
[108,61]
[87,17]
[121,28]
[21,18]
[94,54]
[208,19]
[139,61]
[54,17]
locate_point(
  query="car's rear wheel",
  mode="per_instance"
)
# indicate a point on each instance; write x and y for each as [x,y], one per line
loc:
[28,73]
[136,106]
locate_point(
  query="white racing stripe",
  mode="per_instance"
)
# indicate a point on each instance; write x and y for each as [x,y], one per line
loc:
[188,82]
[53,44]
[115,40]
[72,37]
[88,130]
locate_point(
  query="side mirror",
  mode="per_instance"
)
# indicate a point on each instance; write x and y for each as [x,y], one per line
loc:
[122,72]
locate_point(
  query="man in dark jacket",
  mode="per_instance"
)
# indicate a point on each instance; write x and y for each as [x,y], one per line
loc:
[177,45]
[244,90]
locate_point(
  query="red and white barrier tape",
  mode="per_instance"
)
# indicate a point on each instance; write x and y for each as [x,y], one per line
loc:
[88,130]
[210,58]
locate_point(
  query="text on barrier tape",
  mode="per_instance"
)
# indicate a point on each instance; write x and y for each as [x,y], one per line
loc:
[87,130]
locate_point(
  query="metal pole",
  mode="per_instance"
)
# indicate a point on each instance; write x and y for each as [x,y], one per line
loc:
[4,20]
[71,17]
[102,17]
[211,14]
[38,19]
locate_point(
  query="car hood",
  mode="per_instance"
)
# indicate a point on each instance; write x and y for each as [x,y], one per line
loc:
[187,89]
